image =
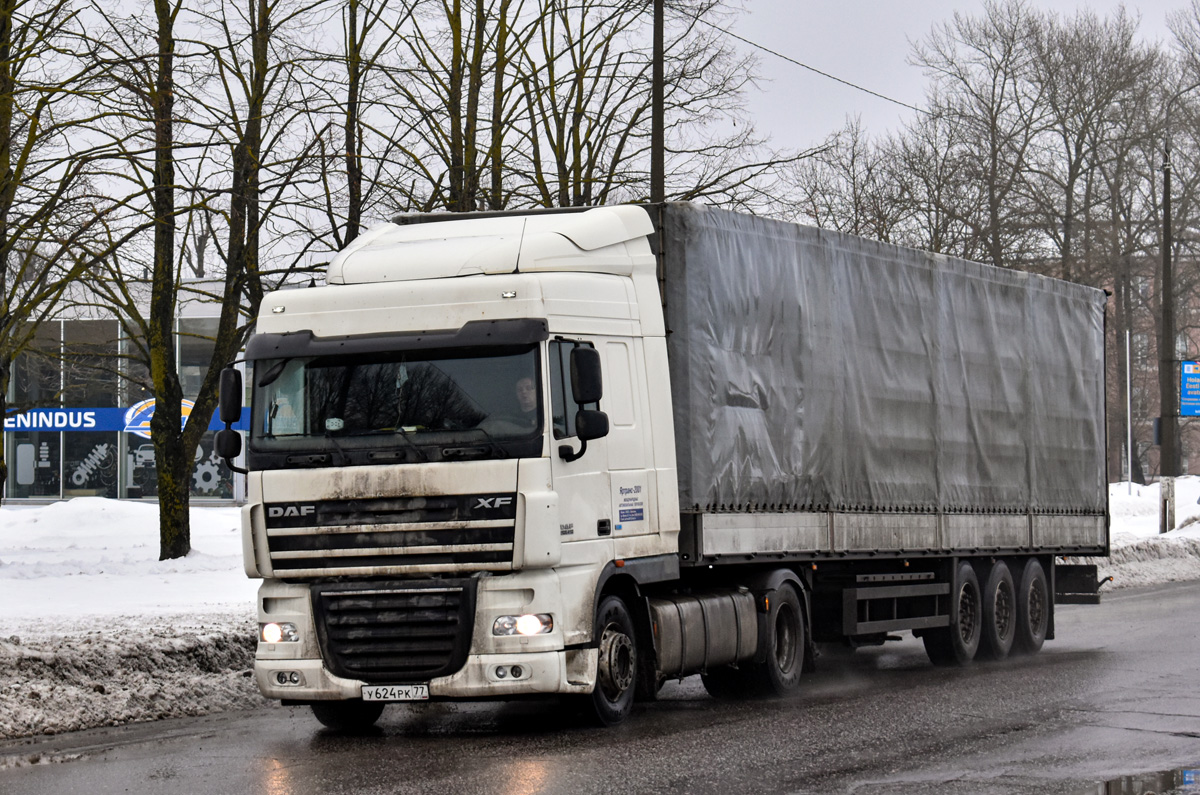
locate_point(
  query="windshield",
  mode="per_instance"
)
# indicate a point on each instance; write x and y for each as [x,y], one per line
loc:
[420,405]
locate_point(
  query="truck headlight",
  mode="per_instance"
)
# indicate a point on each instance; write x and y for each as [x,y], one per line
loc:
[278,633]
[541,624]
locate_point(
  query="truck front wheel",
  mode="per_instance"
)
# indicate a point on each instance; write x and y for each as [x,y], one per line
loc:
[348,716]
[612,700]
[779,673]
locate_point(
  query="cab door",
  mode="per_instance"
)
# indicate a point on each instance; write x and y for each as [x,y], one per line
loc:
[582,484]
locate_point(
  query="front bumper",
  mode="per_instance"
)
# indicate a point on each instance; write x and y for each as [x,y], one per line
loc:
[542,673]
[545,667]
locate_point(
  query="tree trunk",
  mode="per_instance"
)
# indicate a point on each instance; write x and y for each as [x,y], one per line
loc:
[172,463]
[5,371]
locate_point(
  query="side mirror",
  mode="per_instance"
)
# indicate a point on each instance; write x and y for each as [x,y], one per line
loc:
[586,383]
[230,401]
[229,444]
[591,424]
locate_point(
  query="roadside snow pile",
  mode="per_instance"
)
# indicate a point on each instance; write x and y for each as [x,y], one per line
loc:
[95,630]
[1140,555]
[84,679]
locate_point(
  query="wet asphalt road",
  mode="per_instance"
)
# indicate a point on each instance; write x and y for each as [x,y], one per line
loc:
[1117,693]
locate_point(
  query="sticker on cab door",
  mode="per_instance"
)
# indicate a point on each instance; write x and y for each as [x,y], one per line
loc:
[631,505]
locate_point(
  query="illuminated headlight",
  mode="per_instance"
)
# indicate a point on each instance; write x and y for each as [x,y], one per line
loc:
[541,624]
[278,633]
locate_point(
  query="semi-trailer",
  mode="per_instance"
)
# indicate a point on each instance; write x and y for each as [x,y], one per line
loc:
[582,453]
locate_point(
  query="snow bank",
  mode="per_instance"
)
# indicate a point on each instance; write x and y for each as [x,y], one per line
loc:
[1139,554]
[95,630]
[137,672]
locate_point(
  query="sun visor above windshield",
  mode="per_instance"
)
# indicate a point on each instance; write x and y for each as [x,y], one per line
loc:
[593,241]
[516,331]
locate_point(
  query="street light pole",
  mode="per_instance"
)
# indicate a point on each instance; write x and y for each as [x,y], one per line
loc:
[1168,455]
[1169,408]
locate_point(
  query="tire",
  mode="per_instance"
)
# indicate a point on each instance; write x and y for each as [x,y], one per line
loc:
[779,674]
[999,627]
[958,643]
[616,675]
[1033,608]
[348,716]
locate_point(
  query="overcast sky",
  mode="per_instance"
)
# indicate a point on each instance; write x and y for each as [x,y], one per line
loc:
[865,42]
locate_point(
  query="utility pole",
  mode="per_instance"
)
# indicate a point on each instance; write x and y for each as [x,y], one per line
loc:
[1168,457]
[658,192]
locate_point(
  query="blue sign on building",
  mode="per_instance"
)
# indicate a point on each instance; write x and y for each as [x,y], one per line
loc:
[135,419]
[1189,389]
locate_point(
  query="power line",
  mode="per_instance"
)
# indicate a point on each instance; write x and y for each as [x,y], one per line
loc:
[834,78]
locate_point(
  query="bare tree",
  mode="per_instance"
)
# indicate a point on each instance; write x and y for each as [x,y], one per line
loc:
[1085,68]
[980,69]
[854,187]
[224,175]
[49,207]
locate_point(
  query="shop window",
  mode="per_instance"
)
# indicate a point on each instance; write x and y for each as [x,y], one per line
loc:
[196,336]
[90,364]
[90,464]
[211,479]
[34,464]
[36,375]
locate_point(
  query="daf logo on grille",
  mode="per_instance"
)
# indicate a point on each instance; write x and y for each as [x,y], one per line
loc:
[493,502]
[276,511]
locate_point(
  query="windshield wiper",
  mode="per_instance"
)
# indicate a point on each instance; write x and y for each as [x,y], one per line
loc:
[405,435]
[491,440]
[338,447]
[408,440]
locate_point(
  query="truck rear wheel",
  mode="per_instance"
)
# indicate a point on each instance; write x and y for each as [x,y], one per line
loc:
[348,715]
[957,643]
[1033,608]
[999,613]
[612,700]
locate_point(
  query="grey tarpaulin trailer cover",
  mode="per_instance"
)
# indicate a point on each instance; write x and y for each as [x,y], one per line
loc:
[815,372]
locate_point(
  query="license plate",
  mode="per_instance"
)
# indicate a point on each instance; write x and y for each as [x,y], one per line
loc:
[395,692]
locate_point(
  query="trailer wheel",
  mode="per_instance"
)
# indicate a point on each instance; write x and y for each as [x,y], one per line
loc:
[999,613]
[779,674]
[957,643]
[1033,608]
[348,716]
[612,700]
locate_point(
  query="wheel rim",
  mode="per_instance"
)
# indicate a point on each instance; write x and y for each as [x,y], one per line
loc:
[617,662]
[785,638]
[1004,610]
[1037,608]
[968,607]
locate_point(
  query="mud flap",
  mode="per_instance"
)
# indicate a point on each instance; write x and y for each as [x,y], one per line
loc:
[1077,584]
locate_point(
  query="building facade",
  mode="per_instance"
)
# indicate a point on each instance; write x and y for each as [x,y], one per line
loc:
[84,427]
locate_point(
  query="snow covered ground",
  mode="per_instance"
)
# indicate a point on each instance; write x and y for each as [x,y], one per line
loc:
[95,630]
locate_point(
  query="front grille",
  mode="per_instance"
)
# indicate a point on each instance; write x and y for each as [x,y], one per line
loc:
[388,537]
[395,632]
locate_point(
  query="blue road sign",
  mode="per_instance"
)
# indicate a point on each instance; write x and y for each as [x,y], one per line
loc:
[1189,389]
